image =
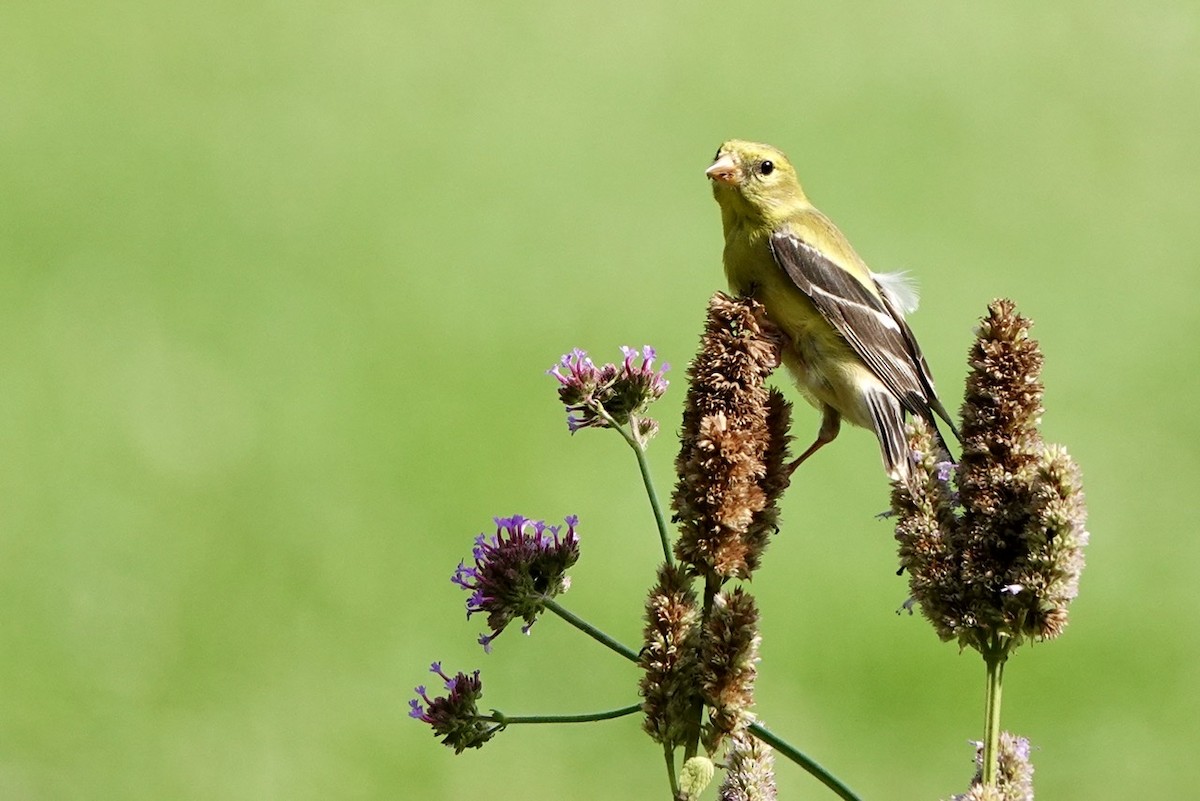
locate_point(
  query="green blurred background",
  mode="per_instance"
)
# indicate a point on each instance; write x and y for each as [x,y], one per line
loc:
[278,286]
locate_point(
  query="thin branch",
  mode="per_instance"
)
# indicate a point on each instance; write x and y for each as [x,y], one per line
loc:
[639,450]
[588,717]
[590,630]
[803,760]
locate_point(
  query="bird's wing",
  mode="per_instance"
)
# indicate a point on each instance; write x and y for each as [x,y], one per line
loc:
[865,319]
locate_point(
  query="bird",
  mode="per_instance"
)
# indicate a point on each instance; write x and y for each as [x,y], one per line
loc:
[846,342]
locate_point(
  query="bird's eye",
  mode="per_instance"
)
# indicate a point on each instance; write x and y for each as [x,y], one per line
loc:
[767,167]
[718,154]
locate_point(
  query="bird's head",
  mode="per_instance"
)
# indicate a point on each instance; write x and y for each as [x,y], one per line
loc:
[750,179]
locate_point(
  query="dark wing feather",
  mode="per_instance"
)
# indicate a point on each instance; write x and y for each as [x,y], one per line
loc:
[868,322]
[931,397]
[888,421]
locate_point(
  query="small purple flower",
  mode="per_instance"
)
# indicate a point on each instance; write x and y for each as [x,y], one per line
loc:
[622,392]
[1014,778]
[454,717]
[517,570]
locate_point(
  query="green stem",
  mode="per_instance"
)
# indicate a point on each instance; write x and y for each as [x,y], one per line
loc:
[639,449]
[508,720]
[803,760]
[669,756]
[652,494]
[711,585]
[590,630]
[994,657]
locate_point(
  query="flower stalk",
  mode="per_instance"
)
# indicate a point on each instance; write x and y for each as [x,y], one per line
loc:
[590,630]
[638,444]
[994,659]
[810,765]
[587,717]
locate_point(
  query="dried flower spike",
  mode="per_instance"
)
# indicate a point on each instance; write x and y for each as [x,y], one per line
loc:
[728,664]
[517,570]
[455,716]
[668,657]
[999,561]
[926,523]
[733,454]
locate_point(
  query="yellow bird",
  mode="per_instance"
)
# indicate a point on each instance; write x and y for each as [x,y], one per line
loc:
[847,345]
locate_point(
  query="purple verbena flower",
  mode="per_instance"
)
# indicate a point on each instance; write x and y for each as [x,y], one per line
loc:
[454,717]
[517,570]
[620,392]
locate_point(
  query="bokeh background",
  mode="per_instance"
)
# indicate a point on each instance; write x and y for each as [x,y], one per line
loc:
[279,283]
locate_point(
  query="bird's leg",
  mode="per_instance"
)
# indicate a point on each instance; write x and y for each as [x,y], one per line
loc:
[831,423]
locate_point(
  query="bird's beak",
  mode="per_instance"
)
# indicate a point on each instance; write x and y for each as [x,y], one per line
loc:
[724,170]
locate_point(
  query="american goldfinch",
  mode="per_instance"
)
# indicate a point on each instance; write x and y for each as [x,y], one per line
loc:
[847,344]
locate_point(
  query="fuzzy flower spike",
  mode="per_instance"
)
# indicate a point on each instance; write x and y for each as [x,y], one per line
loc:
[751,772]
[1014,779]
[732,461]
[998,561]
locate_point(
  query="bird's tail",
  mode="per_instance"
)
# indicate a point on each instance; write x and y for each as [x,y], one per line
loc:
[935,405]
[887,418]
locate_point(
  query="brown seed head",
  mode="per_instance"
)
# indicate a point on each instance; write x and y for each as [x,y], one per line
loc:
[668,657]
[733,452]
